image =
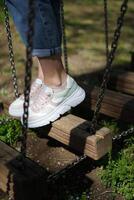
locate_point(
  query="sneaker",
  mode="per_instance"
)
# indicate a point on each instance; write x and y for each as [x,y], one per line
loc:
[16,108]
[53,102]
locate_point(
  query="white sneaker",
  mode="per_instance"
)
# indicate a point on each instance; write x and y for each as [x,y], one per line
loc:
[16,108]
[52,102]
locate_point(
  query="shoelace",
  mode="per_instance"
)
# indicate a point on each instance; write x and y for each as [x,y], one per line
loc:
[33,90]
[42,99]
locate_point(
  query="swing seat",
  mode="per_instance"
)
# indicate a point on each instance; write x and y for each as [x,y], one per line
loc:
[73,131]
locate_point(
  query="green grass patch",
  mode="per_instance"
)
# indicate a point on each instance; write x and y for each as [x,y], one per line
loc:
[112,125]
[10,131]
[1,12]
[119,173]
[85,30]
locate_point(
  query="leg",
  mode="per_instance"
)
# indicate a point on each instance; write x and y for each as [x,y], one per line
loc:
[60,91]
[53,70]
[52,67]
[47,38]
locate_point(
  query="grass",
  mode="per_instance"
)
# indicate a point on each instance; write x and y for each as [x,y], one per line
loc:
[85,35]
[85,30]
[112,125]
[1,12]
[11,131]
[118,174]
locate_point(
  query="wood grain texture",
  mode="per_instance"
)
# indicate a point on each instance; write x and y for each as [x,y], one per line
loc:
[121,80]
[72,131]
[115,104]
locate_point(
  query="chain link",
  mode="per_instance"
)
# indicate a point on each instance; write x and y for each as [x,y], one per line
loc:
[62,172]
[11,52]
[28,74]
[111,56]
[110,59]
[28,68]
[55,175]
[123,134]
[106,29]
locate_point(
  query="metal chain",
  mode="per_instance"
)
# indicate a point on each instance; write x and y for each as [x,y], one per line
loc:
[63,28]
[123,134]
[28,74]
[102,90]
[106,28]
[28,68]
[55,175]
[62,172]
[111,57]
[11,52]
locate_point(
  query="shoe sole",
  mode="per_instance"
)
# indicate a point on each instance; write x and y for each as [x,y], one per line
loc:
[15,113]
[72,101]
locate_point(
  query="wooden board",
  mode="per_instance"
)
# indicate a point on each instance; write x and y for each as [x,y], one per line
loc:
[115,104]
[72,131]
[24,185]
[122,81]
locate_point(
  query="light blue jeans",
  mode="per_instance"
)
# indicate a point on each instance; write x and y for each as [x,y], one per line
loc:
[47,36]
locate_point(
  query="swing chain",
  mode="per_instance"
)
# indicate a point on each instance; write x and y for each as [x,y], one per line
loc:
[103,86]
[110,59]
[11,52]
[64,171]
[106,28]
[27,68]
[56,175]
[28,74]
[123,134]
[63,27]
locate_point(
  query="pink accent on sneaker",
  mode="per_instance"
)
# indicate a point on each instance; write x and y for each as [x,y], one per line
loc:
[45,96]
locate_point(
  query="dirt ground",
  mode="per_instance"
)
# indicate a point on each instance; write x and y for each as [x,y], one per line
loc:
[88,57]
[58,157]
[53,157]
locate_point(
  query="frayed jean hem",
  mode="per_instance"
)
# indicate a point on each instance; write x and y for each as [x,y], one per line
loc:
[47,52]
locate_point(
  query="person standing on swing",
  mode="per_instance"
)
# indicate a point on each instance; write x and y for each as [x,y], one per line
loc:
[54,91]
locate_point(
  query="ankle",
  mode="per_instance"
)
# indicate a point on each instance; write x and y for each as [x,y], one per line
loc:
[40,78]
[56,81]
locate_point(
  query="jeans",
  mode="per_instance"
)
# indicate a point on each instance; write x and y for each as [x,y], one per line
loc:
[47,30]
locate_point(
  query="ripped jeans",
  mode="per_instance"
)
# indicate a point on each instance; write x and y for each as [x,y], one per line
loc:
[47,33]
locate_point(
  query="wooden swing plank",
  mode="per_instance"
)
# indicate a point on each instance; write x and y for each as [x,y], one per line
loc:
[122,81]
[24,185]
[72,131]
[115,104]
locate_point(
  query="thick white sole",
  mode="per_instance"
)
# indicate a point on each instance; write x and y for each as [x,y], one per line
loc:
[75,99]
[15,113]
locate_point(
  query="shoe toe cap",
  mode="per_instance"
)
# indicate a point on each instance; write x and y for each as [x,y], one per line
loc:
[16,108]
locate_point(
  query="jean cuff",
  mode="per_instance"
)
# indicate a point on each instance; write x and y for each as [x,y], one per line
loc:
[47,52]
